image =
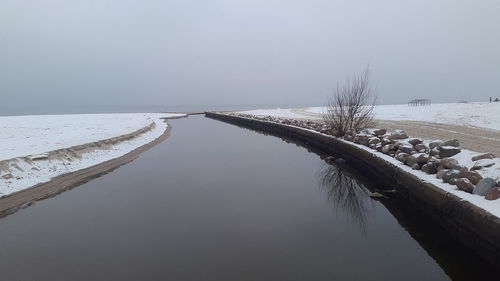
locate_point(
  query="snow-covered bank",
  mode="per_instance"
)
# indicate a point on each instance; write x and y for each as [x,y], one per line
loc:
[477,114]
[37,148]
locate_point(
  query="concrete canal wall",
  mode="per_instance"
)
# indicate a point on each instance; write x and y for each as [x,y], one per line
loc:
[474,227]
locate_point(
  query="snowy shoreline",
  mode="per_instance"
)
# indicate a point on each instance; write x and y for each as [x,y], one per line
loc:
[37,149]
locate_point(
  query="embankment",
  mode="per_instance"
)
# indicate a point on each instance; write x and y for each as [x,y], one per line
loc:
[25,197]
[474,227]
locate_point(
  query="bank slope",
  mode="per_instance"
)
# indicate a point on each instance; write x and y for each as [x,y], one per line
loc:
[38,148]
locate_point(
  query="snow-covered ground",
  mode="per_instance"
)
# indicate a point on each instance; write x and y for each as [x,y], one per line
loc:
[36,148]
[477,114]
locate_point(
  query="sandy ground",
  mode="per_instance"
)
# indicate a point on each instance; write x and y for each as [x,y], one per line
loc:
[27,197]
[471,138]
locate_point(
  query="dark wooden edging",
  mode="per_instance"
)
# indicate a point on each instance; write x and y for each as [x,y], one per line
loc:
[476,228]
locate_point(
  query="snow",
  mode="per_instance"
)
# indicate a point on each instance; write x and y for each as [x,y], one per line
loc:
[477,114]
[39,147]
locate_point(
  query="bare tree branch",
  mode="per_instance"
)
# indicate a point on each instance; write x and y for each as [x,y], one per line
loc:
[351,108]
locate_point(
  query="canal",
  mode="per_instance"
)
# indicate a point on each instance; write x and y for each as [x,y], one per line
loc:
[217,202]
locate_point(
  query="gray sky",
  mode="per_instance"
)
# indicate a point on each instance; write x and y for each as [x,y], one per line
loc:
[68,53]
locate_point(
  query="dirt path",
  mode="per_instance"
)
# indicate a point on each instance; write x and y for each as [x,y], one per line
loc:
[472,138]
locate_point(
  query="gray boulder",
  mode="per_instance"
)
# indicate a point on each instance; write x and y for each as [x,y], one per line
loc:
[429,168]
[435,143]
[453,142]
[448,151]
[484,186]
[450,174]
[415,141]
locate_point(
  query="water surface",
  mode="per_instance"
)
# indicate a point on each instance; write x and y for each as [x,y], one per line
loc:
[216,202]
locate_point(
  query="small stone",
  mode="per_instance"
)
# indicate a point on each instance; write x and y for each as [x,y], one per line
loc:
[402,157]
[435,143]
[379,132]
[449,163]
[483,156]
[448,151]
[464,184]
[484,186]
[415,141]
[440,173]
[453,181]
[483,163]
[493,194]
[450,174]
[453,142]
[421,146]
[473,177]
[387,148]
[429,168]
[415,166]
[406,148]
[373,140]
[434,152]
[397,135]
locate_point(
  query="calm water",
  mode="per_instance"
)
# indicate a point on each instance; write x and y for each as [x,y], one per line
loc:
[216,202]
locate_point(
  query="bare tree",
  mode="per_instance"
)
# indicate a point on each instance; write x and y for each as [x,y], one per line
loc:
[351,108]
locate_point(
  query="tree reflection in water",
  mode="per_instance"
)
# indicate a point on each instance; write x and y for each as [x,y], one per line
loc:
[346,193]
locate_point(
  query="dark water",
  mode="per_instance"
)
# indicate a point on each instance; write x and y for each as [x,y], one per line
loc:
[216,202]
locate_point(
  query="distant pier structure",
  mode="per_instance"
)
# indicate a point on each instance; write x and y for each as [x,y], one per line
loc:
[419,102]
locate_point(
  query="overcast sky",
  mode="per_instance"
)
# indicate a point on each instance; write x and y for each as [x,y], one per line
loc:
[69,53]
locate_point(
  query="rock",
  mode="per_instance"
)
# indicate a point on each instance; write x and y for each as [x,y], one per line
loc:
[415,141]
[440,173]
[434,152]
[453,142]
[464,184]
[415,166]
[386,141]
[483,163]
[379,132]
[484,186]
[407,148]
[435,143]
[448,151]
[387,148]
[373,140]
[473,177]
[398,135]
[493,194]
[449,163]
[453,181]
[402,157]
[450,174]
[421,158]
[483,156]
[429,168]
[420,146]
